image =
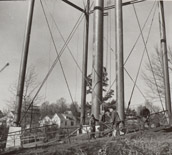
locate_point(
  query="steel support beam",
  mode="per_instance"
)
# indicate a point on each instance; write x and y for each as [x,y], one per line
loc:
[97,58]
[119,59]
[11,0]
[123,4]
[84,66]
[7,64]
[22,73]
[164,58]
[73,5]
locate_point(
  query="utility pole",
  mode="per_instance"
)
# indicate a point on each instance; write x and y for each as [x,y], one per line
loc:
[119,59]
[164,58]
[22,73]
[7,64]
[97,58]
[84,66]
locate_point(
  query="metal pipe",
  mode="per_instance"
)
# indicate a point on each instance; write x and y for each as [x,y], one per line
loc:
[119,59]
[73,5]
[84,66]
[164,57]
[97,58]
[123,4]
[22,73]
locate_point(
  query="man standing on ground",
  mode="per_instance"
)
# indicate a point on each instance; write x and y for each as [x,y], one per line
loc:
[102,122]
[144,117]
[115,120]
[92,123]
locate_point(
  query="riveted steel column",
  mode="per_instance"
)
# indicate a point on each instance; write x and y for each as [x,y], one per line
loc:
[164,58]
[97,58]
[22,73]
[119,59]
[84,66]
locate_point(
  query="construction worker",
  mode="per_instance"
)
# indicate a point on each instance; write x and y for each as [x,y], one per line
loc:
[144,116]
[102,122]
[92,123]
[115,120]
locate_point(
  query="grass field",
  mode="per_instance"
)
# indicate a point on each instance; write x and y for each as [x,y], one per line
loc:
[155,142]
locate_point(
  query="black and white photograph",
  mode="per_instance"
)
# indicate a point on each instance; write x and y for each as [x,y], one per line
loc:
[85,77]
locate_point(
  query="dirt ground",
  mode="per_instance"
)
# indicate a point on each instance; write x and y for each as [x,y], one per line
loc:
[152,142]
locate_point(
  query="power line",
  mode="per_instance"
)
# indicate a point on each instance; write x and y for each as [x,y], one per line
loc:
[140,33]
[135,84]
[135,43]
[141,58]
[148,55]
[69,48]
[56,50]
[7,64]
[57,59]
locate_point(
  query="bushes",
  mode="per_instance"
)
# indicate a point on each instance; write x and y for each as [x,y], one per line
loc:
[3,136]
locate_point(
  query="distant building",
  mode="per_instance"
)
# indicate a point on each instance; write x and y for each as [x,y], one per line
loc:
[30,116]
[70,120]
[8,119]
[45,121]
[59,120]
[62,120]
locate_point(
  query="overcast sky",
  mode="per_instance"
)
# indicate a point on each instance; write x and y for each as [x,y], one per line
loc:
[13,17]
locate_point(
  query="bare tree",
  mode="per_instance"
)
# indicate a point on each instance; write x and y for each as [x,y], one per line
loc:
[153,108]
[153,76]
[49,109]
[31,84]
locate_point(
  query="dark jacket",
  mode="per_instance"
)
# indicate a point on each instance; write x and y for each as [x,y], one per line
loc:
[115,117]
[103,118]
[92,121]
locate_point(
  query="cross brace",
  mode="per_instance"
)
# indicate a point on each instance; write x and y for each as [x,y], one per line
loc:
[124,4]
[73,5]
